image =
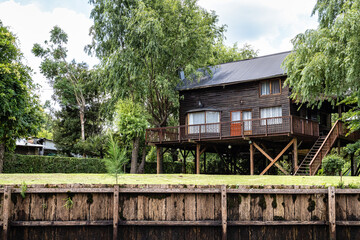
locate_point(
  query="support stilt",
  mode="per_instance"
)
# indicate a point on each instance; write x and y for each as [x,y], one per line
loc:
[198,154]
[295,155]
[251,159]
[159,160]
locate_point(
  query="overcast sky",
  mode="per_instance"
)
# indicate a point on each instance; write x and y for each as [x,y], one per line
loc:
[267,25]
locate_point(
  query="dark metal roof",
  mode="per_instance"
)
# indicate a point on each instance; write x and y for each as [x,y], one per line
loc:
[241,71]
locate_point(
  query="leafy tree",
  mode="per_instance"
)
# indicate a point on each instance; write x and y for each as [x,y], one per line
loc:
[131,122]
[63,75]
[93,146]
[224,54]
[116,158]
[325,62]
[20,113]
[144,44]
[78,94]
[46,130]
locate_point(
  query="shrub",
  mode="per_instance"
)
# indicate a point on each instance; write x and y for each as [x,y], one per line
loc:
[332,164]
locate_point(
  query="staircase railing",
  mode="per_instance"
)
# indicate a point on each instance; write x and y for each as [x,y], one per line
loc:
[325,147]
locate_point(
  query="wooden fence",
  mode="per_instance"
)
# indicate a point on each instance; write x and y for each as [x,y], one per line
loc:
[179,212]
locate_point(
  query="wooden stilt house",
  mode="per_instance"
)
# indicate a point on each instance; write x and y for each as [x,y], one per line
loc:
[243,110]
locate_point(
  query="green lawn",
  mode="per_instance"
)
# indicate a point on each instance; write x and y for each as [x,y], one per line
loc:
[174,179]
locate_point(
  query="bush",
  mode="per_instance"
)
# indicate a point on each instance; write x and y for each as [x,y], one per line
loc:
[332,164]
[16,163]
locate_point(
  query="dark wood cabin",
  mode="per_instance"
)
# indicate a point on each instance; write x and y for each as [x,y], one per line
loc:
[243,110]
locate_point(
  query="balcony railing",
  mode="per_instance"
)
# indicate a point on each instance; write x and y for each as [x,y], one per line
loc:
[233,129]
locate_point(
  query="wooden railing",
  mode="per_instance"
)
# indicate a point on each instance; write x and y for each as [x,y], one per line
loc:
[233,129]
[335,132]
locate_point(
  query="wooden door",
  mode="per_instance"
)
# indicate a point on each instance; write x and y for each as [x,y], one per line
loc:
[237,120]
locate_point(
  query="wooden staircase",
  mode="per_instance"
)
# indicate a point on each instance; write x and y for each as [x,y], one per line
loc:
[312,161]
[304,167]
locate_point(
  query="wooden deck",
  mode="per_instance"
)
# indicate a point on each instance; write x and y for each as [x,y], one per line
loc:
[261,127]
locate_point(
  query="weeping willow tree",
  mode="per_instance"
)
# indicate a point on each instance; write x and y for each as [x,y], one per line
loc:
[325,62]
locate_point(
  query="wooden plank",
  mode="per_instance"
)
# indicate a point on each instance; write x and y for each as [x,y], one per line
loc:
[320,211]
[171,223]
[277,191]
[61,223]
[274,223]
[224,212]
[170,190]
[6,212]
[65,190]
[279,211]
[116,212]
[37,207]
[289,210]
[268,212]
[190,206]
[347,191]
[245,207]
[332,213]
[348,223]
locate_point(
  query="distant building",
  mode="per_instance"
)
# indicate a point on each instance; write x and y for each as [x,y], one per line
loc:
[35,146]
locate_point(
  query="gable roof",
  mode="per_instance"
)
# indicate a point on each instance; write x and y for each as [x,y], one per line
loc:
[248,70]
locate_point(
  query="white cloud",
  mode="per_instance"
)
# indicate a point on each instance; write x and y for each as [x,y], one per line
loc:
[32,25]
[266,25]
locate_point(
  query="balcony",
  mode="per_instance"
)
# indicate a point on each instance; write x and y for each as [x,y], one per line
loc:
[232,130]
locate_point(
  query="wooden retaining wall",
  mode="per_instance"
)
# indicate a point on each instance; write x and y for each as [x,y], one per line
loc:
[179,212]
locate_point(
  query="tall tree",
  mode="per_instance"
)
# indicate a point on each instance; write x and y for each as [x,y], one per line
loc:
[131,121]
[62,73]
[144,44]
[20,114]
[224,54]
[325,62]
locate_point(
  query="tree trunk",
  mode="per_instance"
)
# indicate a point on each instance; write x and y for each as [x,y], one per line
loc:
[2,153]
[143,159]
[134,155]
[82,121]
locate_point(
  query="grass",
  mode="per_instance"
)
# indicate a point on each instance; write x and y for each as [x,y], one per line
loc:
[57,178]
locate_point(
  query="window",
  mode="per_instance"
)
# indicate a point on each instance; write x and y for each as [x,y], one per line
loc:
[204,118]
[270,87]
[274,113]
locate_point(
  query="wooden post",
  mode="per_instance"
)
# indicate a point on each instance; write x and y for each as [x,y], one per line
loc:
[6,212]
[295,155]
[332,216]
[198,154]
[251,159]
[159,158]
[116,212]
[223,212]
[338,146]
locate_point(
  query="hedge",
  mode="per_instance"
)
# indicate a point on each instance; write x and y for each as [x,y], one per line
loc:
[17,163]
